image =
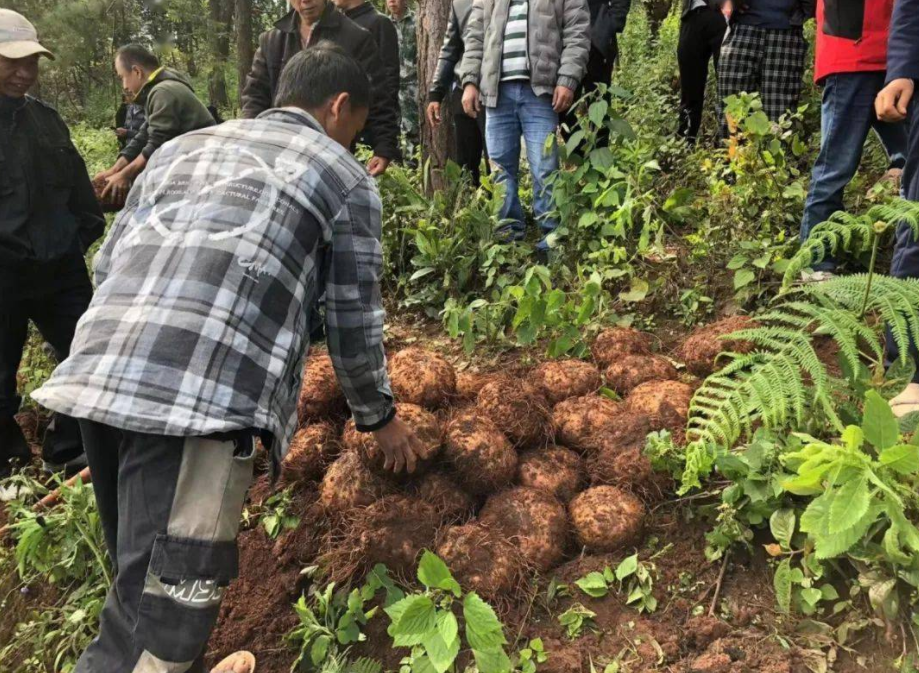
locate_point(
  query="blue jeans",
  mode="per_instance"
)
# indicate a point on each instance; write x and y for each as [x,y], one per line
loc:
[905,262]
[847,117]
[520,111]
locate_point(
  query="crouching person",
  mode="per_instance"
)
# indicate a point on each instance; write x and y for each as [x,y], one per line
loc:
[194,343]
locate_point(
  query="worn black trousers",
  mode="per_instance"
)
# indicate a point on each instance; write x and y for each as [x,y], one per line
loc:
[469,137]
[53,296]
[170,509]
[701,34]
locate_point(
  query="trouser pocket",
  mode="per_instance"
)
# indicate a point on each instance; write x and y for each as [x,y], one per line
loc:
[185,585]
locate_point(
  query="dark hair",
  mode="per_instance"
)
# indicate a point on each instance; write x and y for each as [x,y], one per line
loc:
[132,55]
[317,74]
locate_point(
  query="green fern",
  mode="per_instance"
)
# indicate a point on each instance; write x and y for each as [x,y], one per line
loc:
[782,381]
[854,234]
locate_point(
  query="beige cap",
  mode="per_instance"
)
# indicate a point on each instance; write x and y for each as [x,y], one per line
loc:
[18,37]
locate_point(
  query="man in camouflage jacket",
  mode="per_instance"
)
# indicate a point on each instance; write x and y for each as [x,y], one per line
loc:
[404,19]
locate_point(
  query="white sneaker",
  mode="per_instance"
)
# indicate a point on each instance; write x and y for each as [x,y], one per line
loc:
[808,277]
[906,402]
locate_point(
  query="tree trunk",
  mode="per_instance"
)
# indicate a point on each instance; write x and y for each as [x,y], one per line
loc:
[220,14]
[245,48]
[437,146]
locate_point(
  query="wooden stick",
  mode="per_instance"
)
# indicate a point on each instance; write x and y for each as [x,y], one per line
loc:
[724,566]
[54,497]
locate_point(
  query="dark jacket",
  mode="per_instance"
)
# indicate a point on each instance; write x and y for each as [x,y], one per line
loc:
[171,108]
[607,20]
[451,53]
[48,209]
[804,10]
[384,34]
[903,49]
[278,45]
[687,6]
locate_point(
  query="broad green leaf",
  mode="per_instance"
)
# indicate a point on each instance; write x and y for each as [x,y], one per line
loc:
[447,626]
[903,458]
[319,650]
[593,584]
[811,596]
[415,619]
[879,423]
[637,292]
[434,574]
[782,583]
[484,630]
[441,653]
[743,278]
[492,661]
[782,525]
[628,567]
[850,504]
[597,112]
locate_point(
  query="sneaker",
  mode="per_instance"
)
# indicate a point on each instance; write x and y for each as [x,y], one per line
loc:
[906,402]
[808,277]
[893,176]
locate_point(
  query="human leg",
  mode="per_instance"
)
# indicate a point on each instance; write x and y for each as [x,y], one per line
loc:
[502,134]
[179,505]
[847,114]
[783,71]
[540,124]
[739,66]
[14,329]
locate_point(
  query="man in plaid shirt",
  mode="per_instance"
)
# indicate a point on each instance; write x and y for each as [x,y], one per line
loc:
[195,340]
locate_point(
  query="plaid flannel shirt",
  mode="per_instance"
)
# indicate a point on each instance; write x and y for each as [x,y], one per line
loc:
[207,280]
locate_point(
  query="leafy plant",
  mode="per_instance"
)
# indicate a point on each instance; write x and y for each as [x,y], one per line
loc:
[331,620]
[575,619]
[427,622]
[275,516]
[530,657]
[634,578]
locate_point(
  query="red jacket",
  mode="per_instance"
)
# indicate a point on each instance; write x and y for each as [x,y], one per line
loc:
[852,36]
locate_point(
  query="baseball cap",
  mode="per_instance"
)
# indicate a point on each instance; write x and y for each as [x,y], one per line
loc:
[18,37]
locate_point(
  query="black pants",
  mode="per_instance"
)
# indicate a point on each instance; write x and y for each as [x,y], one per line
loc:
[53,296]
[599,71]
[170,510]
[470,138]
[701,34]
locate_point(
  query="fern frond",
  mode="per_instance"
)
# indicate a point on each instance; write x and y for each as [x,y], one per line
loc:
[853,234]
[783,381]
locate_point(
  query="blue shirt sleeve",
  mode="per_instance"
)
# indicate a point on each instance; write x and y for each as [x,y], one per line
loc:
[903,50]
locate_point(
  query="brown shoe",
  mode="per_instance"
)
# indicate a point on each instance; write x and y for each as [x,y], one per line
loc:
[238,662]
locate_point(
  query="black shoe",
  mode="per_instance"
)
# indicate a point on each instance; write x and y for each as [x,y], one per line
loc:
[62,446]
[14,449]
[542,256]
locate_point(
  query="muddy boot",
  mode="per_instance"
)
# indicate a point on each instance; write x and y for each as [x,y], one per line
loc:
[62,446]
[14,449]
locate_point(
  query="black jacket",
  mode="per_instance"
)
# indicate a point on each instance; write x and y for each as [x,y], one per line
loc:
[278,45]
[687,6]
[48,209]
[451,53]
[804,10]
[384,34]
[607,20]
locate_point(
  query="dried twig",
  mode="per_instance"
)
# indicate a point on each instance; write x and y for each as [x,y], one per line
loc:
[719,584]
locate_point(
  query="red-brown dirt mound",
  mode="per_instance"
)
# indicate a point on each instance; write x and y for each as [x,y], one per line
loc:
[311,451]
[422,377]
[320,395]
[554,469]
[606,518]
[468,384]
[480,455]
[666,403]
[614,343]
[449,500]
[566,378]
[701,348]
[631,371]
[348,483]
[629,470]
[393,531]
[580,420]
[482,560]
[425,425]
[534,521]
[518,408]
